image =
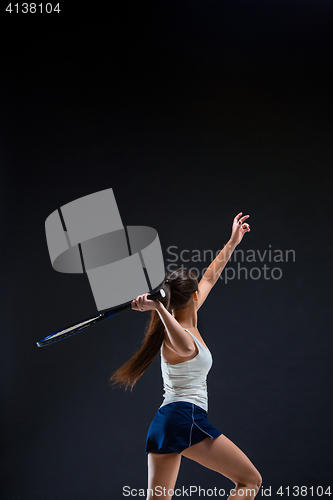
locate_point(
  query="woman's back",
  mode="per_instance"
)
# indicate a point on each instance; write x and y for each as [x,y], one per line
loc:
[187,381]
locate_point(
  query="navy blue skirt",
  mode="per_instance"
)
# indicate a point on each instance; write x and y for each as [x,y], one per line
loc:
[177,426]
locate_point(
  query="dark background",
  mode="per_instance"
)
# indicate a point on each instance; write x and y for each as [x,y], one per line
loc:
[191,112]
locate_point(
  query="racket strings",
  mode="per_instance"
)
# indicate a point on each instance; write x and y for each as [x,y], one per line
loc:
[77,326]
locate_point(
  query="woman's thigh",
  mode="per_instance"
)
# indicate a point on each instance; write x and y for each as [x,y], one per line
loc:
[223,456]
[163,470]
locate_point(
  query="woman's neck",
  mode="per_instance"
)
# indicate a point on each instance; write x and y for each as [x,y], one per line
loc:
[187,316]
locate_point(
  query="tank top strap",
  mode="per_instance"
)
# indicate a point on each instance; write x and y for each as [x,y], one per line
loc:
[194,338]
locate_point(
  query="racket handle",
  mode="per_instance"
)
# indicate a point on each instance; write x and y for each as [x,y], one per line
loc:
[160,294]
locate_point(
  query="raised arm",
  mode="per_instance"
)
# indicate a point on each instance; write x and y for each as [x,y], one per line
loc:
[178,340]
[214,270]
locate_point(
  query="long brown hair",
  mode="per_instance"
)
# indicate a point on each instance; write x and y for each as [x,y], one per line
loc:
[179,286]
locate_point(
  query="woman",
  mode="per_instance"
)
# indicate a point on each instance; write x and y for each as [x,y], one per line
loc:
[181,427]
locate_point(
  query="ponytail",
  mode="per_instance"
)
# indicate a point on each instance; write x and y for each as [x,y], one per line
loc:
[179,286]
[130,372]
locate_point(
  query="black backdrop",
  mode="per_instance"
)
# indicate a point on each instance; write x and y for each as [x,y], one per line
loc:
[191,112]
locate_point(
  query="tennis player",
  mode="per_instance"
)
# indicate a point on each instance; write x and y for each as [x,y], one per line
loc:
[181,426]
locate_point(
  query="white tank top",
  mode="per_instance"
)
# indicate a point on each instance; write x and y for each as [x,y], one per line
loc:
[187,381]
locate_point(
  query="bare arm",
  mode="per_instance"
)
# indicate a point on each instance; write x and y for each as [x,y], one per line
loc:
[214,270]
[177,338]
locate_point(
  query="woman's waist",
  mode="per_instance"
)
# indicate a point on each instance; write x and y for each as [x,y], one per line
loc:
[189,388]
[199,399]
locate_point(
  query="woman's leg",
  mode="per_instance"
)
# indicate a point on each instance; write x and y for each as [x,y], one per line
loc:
[162,473]
[221,455]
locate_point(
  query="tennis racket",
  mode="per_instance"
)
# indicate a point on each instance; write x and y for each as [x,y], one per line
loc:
[78,327]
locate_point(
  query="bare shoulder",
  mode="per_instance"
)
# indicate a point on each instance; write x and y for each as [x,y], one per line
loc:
[197,335]
[169,355]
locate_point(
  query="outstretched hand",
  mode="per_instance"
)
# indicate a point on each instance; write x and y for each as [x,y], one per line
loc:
[239,228]
[141,303]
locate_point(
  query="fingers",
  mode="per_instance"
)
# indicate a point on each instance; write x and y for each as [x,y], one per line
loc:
[141,303]
[240,219]
[138,303]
